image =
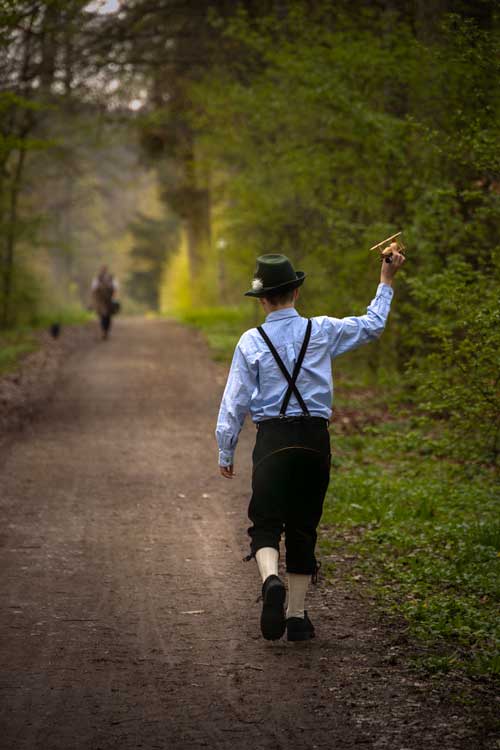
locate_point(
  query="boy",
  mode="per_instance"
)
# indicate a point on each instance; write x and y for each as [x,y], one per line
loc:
[281,374]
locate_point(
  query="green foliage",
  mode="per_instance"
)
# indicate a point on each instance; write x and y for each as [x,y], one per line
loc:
[26,296]
[426,538]
[221,326]
[13,346]
[307,146]
[455,366]
[340,125]
[16,343]
[154,240]
[66,316]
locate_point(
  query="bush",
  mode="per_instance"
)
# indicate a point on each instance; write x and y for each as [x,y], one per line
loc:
[454,368]
[25,297]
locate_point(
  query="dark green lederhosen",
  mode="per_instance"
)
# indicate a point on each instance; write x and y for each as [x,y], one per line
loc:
[291,471]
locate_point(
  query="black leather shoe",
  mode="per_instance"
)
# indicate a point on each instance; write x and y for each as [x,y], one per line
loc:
[272,619]
[299,629]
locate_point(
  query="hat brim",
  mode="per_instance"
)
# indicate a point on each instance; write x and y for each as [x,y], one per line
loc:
[285,287]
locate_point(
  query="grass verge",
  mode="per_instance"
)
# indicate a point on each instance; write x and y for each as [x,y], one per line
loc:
[221,326]
[425,535]
[13,346]
[17,343]
[69,316]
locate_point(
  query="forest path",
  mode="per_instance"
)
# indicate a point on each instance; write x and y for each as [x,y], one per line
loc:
[128,619]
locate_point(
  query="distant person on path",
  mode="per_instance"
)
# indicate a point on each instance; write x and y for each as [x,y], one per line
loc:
[281,373]
[103,288]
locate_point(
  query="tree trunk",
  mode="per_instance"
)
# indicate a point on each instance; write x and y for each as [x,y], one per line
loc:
[197,218]
[10,236]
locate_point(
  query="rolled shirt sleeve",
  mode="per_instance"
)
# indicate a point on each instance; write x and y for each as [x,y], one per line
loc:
[235,404]
[349,333]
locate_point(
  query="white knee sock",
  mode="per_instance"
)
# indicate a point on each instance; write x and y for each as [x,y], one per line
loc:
[267,561]
[297,589]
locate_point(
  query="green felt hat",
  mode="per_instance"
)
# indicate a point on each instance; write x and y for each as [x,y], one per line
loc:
[274,273]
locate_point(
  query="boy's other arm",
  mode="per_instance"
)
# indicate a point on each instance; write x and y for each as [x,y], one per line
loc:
[234,406]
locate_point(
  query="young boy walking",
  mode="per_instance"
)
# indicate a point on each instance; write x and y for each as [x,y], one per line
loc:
[281,374]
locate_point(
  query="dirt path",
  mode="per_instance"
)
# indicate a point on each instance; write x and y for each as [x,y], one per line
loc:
[127,617]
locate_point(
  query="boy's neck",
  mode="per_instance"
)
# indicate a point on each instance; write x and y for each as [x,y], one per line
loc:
[274,308]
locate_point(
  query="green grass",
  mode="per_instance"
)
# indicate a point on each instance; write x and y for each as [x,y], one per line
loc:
[221,326]
[13,346]
[16,343]
[424,531]
[426,538]
[66,317]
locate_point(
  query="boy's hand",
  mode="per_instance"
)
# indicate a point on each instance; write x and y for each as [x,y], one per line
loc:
[389,270]
[227,471]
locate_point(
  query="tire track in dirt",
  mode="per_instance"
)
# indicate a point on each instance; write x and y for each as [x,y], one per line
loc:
[128,617]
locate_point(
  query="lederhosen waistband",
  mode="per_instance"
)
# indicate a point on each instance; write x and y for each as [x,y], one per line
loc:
[298,419]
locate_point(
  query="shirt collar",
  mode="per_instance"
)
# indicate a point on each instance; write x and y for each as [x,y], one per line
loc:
[287,312]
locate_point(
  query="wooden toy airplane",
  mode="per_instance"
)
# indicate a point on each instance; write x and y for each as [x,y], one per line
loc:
[386,252]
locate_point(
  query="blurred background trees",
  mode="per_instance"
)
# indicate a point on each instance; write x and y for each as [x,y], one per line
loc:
[177,140]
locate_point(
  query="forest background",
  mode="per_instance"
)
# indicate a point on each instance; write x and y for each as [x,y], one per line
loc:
[176,141]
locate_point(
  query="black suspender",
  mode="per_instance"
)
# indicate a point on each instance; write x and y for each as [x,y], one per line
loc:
[291,379]
[295,374]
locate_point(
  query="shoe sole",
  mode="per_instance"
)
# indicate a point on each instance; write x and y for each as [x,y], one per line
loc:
[272,620]
[300,636]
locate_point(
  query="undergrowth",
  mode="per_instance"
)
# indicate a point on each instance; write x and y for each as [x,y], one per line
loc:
[65,317]
[425,533]
[13,346]
[221,326]
[18,342]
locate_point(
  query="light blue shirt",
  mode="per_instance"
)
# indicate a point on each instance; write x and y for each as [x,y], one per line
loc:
[256,384]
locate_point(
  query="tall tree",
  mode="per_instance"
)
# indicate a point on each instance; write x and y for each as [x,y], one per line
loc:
[36,74]
[154,240]
[170,45]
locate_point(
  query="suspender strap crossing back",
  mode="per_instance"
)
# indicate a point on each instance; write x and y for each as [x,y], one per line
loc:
[291,379]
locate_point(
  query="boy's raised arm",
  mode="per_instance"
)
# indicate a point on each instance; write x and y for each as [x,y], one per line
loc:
[348,333]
